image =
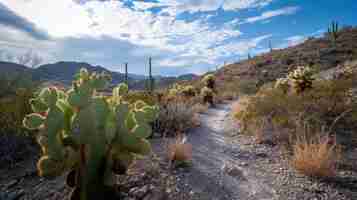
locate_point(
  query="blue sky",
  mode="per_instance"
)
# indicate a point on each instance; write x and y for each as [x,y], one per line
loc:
[182,36]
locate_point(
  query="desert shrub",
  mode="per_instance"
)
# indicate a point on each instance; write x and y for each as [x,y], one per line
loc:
[315,157]
[133,96]
[200,108]
[179,152]
[174,117]
[15,140]
[246,86]
[178,90]
[320,106]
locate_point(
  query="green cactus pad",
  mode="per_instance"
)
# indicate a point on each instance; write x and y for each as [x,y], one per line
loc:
[71,178]
[49,168]
[38,105]
[142,131]
[33,121]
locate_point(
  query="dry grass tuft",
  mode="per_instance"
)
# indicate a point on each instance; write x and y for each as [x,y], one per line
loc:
[316,157]
[179,151]
[200,108]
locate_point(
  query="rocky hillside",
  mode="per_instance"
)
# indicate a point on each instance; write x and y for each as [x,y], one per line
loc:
[322,53]
[63,73]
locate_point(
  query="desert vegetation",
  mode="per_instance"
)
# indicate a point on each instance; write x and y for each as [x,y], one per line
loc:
[291,113]
[281,113]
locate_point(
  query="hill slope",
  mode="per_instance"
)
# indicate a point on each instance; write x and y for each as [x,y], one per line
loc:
[63,73]
[319,52]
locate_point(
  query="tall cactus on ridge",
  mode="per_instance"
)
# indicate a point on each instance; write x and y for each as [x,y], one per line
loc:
[126,74]
[333,31]
[87,135]
[151,79]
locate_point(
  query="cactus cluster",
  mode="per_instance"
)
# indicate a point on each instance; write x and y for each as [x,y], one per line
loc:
[182,90]
[282,84]
[208,91]
[90,136]
[301,79]
[207,95]
[209,81]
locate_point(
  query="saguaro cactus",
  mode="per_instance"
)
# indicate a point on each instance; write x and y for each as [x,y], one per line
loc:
[151,79]
[126,74]
[333,31]
[87,135]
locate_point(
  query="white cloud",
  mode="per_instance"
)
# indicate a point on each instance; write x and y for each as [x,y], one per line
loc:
[137,32]
[272,13]
[295,40]
[244,4]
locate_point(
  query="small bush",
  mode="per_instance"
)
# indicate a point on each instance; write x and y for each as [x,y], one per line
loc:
[174,117]
[315,157]
[200,108]
[319,106]
[179,152]
[134,96]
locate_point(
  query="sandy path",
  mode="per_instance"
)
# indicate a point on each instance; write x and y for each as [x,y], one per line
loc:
[216,172]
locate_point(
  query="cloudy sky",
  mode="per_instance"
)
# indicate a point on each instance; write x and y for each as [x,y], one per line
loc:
[182,36]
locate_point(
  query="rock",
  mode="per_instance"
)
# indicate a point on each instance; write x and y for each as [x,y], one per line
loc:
[11,184]
[156,194]
[233,171]
[243,164]
[139,192]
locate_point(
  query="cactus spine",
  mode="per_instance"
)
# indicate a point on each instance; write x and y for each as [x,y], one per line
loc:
[88,135]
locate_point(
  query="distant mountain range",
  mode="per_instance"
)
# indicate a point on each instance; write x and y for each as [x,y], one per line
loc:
[63,72]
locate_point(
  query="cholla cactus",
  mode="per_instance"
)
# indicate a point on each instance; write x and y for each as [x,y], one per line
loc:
[207,95]
[282,84]
[88,135]
[209,81]
[301,79]
[188,91]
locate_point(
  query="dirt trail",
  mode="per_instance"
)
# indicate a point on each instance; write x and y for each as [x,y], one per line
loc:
[217,172]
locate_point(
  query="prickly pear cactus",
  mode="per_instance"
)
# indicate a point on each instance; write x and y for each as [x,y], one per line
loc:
[90,136]
[301,79]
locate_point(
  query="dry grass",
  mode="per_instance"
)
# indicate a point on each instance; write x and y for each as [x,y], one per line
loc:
[315,157]
[200,108]
[175,117]
[179,151]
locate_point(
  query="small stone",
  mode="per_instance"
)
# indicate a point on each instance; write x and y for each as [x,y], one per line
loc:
[139,192]
[243,164]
